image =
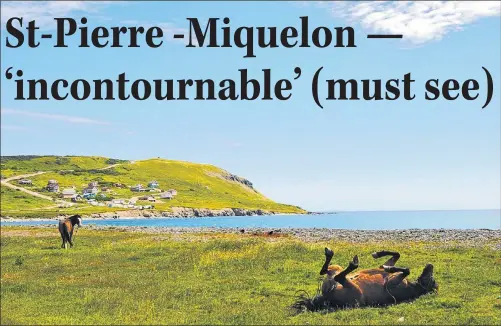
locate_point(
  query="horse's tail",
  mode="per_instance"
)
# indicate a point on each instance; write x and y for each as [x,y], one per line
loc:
[63,229]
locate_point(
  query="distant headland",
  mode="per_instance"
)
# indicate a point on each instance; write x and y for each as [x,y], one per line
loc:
[52,186]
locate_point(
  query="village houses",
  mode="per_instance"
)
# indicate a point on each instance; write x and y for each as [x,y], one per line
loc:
[68,193]
[148,198]
[91,188]
[166,195]
[52,186]
[138,188]
[153,184]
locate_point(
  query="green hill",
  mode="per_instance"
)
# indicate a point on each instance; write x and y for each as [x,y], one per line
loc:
[198,186]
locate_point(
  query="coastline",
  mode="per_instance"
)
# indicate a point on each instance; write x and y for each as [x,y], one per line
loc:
[442,237]
[177,212]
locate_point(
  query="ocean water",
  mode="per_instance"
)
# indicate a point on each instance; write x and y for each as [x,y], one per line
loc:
[467,219]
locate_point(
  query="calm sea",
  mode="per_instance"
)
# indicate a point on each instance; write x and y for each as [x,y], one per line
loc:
[470,219]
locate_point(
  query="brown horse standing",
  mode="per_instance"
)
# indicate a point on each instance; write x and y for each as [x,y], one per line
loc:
[370,287]
[66,228]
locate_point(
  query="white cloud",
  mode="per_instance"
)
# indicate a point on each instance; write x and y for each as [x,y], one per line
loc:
[49,116]
[44,12]
[418,21]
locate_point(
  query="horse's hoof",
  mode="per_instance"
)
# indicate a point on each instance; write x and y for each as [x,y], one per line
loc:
[329,252]
[375,255]
[355,260]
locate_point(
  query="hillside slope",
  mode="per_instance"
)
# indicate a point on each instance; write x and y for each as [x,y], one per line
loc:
[198,186]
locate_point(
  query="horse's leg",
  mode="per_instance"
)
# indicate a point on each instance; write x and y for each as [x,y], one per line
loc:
[66,239]
[351,294]
[62,237]
[393,269]
[328,257]
[398,275]
[390,262]
[70,239]
[341,277]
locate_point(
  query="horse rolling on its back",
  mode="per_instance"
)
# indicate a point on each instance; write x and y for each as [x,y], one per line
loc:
[370,287]
[66,228]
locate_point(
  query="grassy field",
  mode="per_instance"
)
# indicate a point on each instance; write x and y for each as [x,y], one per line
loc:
[18,203]
[198,185]
[116,277]
[13,200]
[24,164]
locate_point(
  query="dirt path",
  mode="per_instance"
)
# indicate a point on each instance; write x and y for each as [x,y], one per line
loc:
[5,182]
[33,193]
[109,166]
[22,176]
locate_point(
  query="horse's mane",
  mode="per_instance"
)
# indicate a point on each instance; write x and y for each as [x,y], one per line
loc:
[74,219]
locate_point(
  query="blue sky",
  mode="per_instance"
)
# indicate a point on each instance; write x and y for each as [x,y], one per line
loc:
[352,155]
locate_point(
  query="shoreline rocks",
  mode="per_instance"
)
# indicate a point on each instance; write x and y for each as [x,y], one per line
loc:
[447,238]
[183,212]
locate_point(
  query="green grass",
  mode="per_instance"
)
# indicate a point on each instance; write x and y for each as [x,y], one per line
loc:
[198,185]
[14,201]
[116,277]
[22,164]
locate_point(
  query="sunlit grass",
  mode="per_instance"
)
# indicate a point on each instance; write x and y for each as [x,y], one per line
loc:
[15,200]
[115,277]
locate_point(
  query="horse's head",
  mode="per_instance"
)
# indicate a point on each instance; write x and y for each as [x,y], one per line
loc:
[76,220]
[426,281]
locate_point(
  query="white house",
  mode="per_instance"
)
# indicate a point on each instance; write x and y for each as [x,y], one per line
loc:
[173,192]
[153,184]
[91,190]
[52,186]
[68,193]
[115,205]
[25,182]
[138,188]
[166,195]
